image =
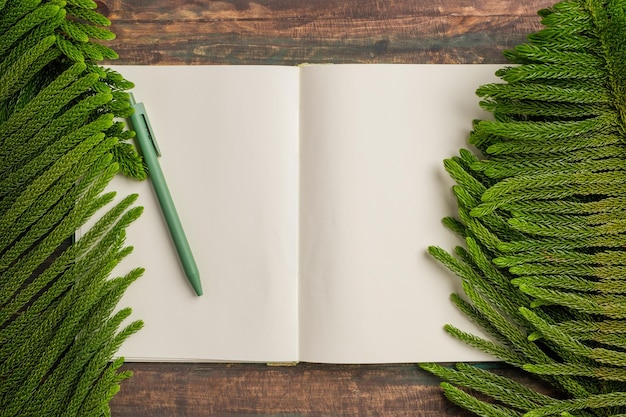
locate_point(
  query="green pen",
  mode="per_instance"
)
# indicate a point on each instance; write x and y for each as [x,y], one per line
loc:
[150,152]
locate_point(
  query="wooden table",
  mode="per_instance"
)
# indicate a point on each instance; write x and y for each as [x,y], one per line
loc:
[283,32]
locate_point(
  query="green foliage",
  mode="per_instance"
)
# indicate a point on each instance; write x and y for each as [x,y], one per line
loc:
[59,148]
[541,209]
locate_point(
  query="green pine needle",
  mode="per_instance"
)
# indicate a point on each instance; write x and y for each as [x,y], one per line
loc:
[541,211]
[59,149]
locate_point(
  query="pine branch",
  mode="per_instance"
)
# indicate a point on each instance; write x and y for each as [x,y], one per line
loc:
[541,212]
[59,149]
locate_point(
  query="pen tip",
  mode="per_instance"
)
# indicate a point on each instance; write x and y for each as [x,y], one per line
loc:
[197,287]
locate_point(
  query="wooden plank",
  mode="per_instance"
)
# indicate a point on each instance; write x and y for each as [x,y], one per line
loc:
[194,390]
[288,33]
[258,390]
[278,10]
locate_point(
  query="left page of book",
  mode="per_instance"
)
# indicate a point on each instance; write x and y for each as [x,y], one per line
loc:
[229,143]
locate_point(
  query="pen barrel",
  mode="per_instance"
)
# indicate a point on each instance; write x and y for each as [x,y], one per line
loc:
[170,214]
[172,220]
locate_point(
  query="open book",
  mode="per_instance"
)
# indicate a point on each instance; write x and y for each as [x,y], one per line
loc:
[309,196]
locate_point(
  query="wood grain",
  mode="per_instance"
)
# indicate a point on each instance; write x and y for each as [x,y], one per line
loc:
[259,390]
[283,32]
[321,31]
[159,390]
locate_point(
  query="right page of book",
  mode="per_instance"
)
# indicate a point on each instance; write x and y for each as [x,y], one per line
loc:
[373,193]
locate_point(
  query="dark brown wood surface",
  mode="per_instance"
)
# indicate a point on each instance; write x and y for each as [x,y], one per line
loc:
[290,32]
[293,32]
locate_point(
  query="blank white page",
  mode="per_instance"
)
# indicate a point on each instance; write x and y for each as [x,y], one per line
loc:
[229,139]
[373,193]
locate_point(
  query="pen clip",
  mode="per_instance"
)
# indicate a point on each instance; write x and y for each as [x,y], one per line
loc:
[140,111]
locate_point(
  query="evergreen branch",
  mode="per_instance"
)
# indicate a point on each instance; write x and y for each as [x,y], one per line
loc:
[558,369]
[57,141]
[48,324]
[605,326]
[74,32]
[569,243]
[59,383]
[41,101]
[511,330]
[76,307]
[480,232]
[69,49]
[561,257]
[546,93]
[489,229]
[612,340]
[104,388]
[65,260]
[68,94]
[88,15]
[613,399]
[14,11]
[83,209]
[42,216]
[549,207]
[41,184]
[464,178]
[605,184]
[474,405]
[72,119]
[605,205]
[601,355]
[502,389]
[503,169]
[455,226]
[86,4]
[563,42]
[611,307]
[564,219]
[611,20]
[93,341]
[47,308]
[522,183]
[490,270]
[496,350]
[17,331]
[96,387]
[534,53]
[94,32]
[469,275]
[44,162]
[30,39]
[476,316]
[599,272]
[27,23]
[571,283]
[93,50]
[567,20]
[2,4]
[95,233]
[30,72]
[105,263]
[540,71]
[10,79]
[508,152]
[527,169]
[544,109]
[559,230]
